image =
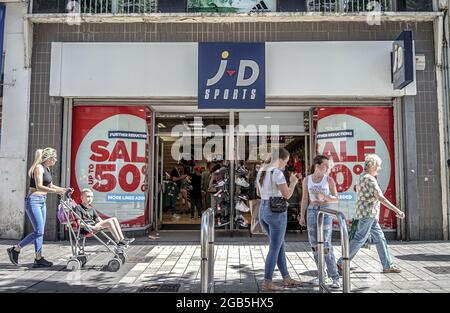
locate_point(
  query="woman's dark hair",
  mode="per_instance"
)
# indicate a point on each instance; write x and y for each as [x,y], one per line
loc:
[318,159]
[275,155]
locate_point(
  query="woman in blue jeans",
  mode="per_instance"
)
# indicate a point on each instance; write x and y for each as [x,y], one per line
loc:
[272,183]
[320,190]
[40,185]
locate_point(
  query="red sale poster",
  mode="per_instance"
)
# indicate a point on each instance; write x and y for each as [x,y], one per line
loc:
[347,135]
[110,151]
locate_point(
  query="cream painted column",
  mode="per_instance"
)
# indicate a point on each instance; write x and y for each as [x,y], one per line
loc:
[14,142]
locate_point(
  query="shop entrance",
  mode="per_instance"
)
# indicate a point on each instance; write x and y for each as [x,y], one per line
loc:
[220,159]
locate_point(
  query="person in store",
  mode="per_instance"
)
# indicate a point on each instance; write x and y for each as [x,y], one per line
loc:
[368,199]
[272,184]
[196,193]
[184,184]
[176,177]
[206,176]
[319,190]
[215,178]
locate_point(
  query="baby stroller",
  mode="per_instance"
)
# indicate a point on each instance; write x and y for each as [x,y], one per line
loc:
[68,216]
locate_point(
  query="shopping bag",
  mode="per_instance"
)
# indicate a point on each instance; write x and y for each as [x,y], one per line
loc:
[352,232]
[353,229]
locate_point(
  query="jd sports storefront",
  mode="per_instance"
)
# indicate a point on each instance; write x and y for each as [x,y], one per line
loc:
[338,97]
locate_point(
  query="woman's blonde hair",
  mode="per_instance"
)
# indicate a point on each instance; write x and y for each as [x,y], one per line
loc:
[41,155]
[371,160]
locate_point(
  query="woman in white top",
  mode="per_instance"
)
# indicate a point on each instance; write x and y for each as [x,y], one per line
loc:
[320,190]
[270,182]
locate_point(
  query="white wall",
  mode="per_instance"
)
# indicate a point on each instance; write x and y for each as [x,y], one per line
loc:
[293,69]
[14,143]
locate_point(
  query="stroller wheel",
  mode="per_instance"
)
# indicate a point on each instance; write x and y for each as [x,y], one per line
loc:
[113,265]
[122,258]
[82,259]
[73,265]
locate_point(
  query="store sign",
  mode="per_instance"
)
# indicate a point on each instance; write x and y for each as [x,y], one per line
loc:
[402,60]
[347,136]
[231,76]
[109,156]
[232,6]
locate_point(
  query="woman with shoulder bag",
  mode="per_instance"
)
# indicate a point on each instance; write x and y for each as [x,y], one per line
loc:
[273,189]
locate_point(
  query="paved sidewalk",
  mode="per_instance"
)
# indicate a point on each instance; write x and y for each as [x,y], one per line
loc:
[239,267]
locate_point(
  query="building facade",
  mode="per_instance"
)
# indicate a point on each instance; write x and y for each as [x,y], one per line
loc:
[100,74]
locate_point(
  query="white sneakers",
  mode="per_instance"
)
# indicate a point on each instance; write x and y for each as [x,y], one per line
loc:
[335,283]
[242,182]
[240,206]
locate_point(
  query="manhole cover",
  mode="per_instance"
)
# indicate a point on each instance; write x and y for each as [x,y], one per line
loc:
[439,269]
[160,288]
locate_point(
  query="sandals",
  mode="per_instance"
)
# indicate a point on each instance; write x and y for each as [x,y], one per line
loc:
[392,269]
[289,283]
[270,287]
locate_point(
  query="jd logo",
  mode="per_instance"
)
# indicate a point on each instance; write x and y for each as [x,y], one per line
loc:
[231,75]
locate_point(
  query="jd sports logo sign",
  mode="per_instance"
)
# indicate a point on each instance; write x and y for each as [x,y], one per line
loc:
[231,76]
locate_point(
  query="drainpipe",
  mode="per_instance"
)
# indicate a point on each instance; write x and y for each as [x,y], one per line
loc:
[446,74]
[439,37]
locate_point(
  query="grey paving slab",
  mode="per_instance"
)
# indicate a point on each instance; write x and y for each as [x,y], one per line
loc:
[239,267]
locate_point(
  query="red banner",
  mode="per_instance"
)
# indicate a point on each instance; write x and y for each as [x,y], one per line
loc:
[110,150]
[347,135]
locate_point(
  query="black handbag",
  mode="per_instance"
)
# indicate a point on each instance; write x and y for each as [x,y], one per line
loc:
[277,204]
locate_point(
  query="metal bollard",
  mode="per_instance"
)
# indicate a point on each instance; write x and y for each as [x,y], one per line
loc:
[344,245]
[207,252]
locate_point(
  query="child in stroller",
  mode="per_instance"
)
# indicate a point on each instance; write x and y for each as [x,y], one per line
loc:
[86,211]
[82,222]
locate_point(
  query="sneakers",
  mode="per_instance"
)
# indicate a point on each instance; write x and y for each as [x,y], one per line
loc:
[392,269]
[125,242]
[219,184]
[241,170]
[242,182]
[13,255]
[242,218]
[242,197]
[243,224]
[223,221]
[42,263]
[315,281]
[240,206]
[175,217]
[336,284]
